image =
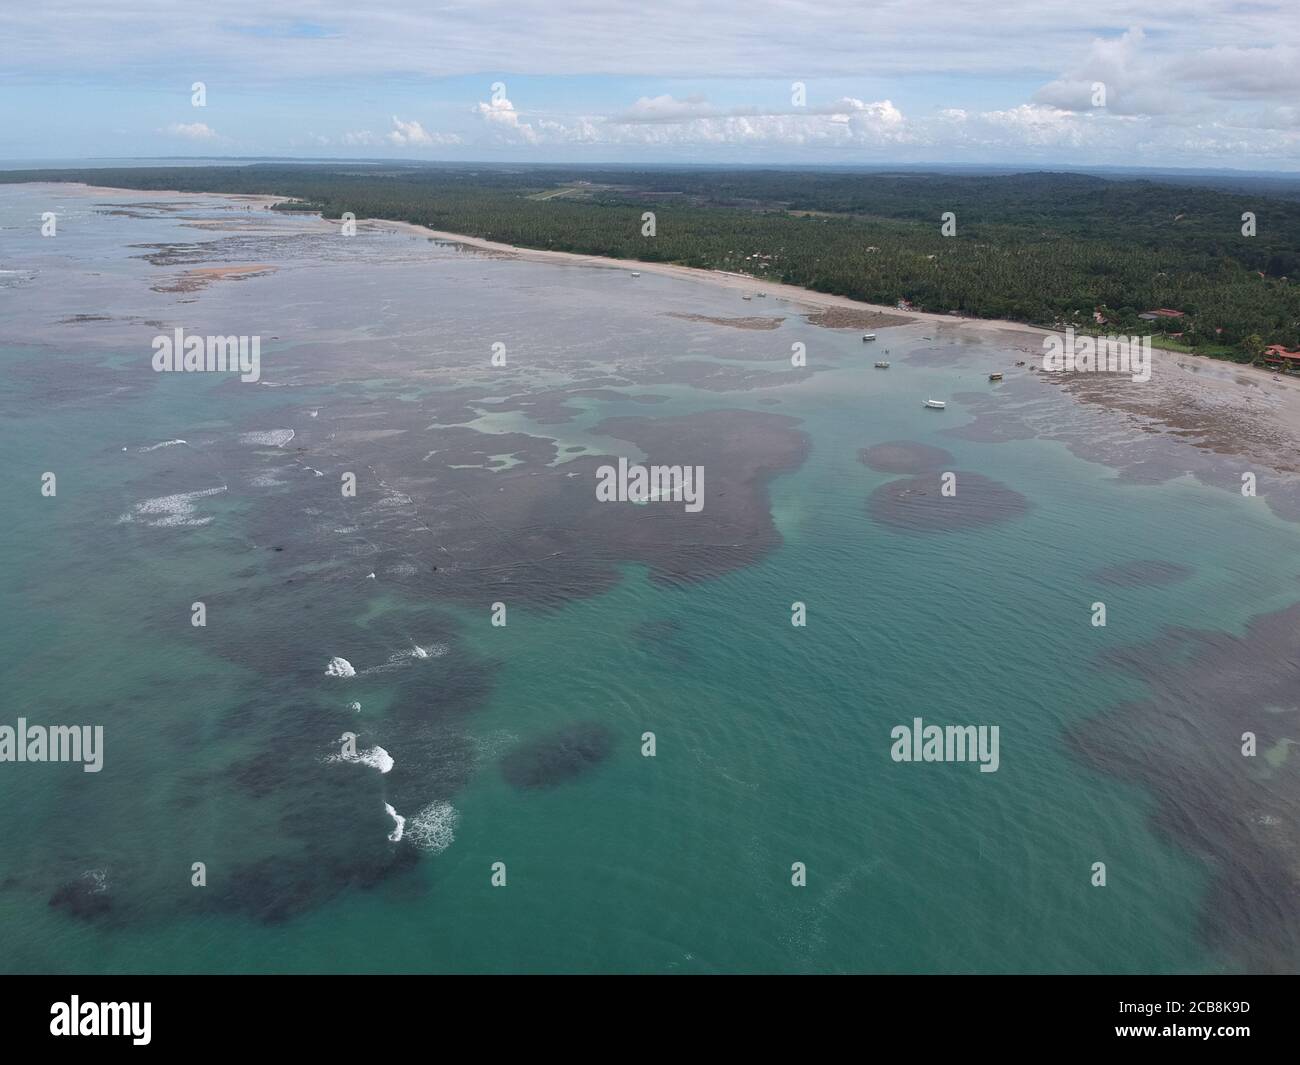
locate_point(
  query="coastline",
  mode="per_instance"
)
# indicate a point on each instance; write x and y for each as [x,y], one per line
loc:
[806,298]
[1223,407]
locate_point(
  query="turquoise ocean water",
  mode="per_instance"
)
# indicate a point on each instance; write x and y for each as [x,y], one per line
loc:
[772,740]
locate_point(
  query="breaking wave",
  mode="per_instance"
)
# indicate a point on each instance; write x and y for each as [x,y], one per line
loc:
[434,827]
[340,667]
[165,511]
[269,437]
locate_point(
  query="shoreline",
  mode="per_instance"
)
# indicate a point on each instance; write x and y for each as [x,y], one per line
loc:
[807,298]
[1212,404]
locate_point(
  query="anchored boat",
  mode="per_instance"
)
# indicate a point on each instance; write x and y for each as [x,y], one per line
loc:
[882,365]
[935,404]
[868,336]
[995,377]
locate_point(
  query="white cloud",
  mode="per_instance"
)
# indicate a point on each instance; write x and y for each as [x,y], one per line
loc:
[665,109]
[195,131]
[1131,80]
[502,118]
[1231,71]
[666,121]
[1182,73]
[803,39]
[409,134]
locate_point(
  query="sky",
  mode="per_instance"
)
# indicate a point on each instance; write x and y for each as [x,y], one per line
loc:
[1180,83]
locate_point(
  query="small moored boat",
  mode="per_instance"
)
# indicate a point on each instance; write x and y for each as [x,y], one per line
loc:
[882,365]
[868,336]
[935,404]
[995,377]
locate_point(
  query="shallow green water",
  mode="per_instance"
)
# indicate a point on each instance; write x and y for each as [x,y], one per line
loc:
[772,740]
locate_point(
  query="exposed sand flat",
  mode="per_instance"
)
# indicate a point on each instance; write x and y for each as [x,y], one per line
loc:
[231,271]
[77,188]
[812,301]
[853,318]
[202,276]
[1225,407]
[735,323]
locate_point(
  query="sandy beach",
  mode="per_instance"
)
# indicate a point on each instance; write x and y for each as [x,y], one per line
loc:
[1225,407]
[1228,408]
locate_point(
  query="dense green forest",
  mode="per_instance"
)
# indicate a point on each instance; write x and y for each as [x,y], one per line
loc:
[1047,248]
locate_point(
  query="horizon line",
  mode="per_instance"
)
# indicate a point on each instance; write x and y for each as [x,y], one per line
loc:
[138,161]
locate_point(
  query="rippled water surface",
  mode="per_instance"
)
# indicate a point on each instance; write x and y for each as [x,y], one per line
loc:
[479,743]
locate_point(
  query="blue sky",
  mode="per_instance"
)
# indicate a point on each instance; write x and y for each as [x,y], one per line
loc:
[1194,83]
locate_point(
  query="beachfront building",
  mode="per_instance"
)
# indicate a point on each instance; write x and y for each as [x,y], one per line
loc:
[1277,356]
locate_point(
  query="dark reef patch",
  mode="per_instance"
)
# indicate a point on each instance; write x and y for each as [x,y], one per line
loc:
[1184,745]
[86,897]
[916,504]
[559,757]
[905,456]
[433,496]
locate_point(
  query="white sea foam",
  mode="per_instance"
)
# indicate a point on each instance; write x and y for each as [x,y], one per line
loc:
[98,879]
[268,478]
[376,757]
[395,836]
[340,667]
[412,654]
[176,509]
[434,827]
[165,443]
[269,437]
[492,745]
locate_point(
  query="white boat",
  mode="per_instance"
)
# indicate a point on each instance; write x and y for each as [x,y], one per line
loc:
[882,365]
[746,297]
[935,404]
[868,336]
[636,273]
